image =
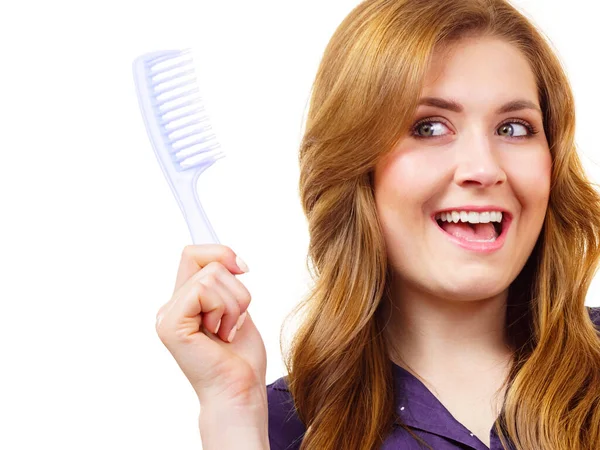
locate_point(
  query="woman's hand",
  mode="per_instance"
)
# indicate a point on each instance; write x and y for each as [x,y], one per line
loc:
[205,311]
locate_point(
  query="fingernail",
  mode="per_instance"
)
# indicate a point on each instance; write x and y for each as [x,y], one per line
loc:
[232,334]
[241,264]
[241,320]
[218,325]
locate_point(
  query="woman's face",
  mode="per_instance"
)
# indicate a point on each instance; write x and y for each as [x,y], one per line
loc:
[471,154]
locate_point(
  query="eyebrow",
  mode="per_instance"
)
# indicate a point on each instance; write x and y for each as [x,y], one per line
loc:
[514,105]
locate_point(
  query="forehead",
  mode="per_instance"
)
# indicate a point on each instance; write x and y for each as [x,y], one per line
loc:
[482,68]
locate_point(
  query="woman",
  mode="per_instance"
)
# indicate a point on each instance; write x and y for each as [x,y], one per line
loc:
[453,235]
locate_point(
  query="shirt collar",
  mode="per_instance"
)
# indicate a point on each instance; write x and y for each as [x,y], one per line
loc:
[420,409]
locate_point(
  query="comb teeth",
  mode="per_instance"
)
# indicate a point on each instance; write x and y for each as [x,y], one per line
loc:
[179,112]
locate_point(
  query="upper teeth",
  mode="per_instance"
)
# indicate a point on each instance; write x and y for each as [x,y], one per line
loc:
[470,216]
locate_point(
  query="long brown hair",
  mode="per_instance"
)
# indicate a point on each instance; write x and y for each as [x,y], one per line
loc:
[363,99]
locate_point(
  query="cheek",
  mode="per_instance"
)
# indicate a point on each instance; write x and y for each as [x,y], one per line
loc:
[411,175]
[530,181]
[534,175]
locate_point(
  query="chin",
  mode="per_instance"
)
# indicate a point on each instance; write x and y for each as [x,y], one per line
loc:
[473,288]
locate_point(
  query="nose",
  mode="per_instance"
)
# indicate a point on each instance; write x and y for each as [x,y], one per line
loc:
[477,164]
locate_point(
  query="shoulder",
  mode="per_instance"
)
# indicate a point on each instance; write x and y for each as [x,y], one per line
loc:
[286,430]
[595,315]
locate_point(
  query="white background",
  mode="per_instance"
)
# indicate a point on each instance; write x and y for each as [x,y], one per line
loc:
[91,235]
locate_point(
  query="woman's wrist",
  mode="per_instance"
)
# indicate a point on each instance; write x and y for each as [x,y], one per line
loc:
[224,427]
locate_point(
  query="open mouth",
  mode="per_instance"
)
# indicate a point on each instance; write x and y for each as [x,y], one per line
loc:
[489,229]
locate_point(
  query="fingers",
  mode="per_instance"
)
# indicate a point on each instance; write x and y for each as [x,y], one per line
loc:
[212,294]
[236,298]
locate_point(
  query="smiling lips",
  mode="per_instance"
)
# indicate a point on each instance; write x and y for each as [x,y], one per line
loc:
[481,231]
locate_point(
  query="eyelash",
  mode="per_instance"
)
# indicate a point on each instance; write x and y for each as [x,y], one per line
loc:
[532,130]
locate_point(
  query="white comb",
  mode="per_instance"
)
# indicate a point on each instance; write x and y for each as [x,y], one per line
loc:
[179,130]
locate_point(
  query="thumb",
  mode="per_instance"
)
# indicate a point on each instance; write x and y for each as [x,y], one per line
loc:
[195,257]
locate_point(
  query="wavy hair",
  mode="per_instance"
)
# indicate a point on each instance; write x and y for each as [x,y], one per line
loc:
[363,100]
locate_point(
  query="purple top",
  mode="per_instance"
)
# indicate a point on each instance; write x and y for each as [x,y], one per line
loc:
[419,408]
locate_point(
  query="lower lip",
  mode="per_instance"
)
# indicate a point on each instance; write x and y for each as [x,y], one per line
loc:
[480,247]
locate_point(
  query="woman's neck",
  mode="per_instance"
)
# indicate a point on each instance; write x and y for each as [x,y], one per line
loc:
[429,334]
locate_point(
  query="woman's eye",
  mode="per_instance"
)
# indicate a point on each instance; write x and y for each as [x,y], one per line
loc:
[427,129]
[513,129]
